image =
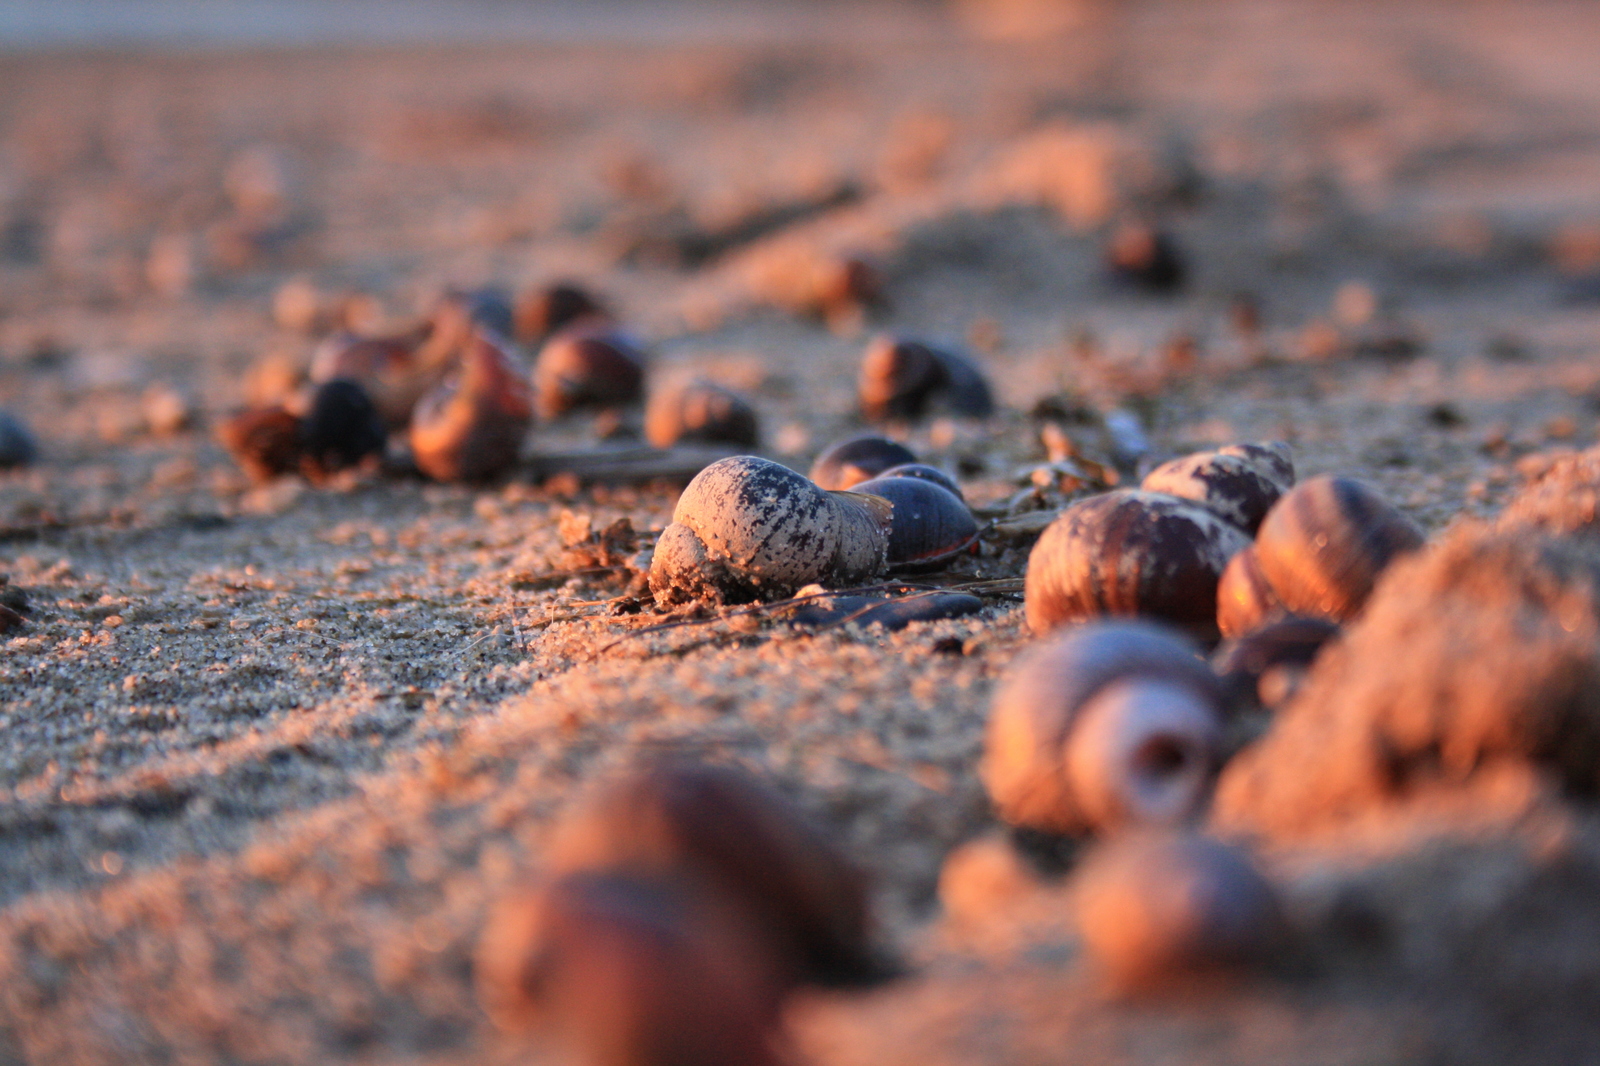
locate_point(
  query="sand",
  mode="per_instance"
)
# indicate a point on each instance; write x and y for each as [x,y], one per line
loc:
[272,751]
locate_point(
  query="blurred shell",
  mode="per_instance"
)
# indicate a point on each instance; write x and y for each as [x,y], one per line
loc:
[1155,908]
[17,447]
[1323,545]
[930,525]
[1130,553]
[746,527]
[718,824]
[700,412]
[927,473]
[1231,486]
[456,317]
[903,378]
[542,311]
[472,427]
[1245,600]
[587,366]
[630,972]
[264,441]
[856,459]
[388,369]
[1247,665]
[1033,719]
[340,429]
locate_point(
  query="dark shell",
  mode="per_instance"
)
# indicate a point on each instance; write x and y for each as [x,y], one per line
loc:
[341,428]
[470,310]
[626,971]
[903,378]
[1154,908]
[17,447]
[930,525]
[855,460]
[265,441]
[1145,257]
[588,366]
[1130,553]
[1229,485]
[1245,600]
[472,428]
[1292,643]
[891,613]
[927,473]
[1036,710]
[1271,459]
[1324,544]
[700,412]
[717,824]
[540,312]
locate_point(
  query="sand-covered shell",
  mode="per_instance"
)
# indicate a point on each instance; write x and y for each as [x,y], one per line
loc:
[472,427]
[720,825]
[857,459]
[1230,485]
[1107,725]
[1245,600]
[17,446]
[543,310]
[700,412]
[904,378]
[748,528]
[588,365]
[341,428]
[1130,553]
[1264,667]
[264,441]
[626,971]
[1156,908]
[1323,545]
[930,525]
[927,473]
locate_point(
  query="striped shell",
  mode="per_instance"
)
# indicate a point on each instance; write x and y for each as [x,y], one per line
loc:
[1229,485]
[929,526]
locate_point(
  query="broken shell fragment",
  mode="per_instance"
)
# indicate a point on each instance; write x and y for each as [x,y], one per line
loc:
[1323,545]
[588,365]
[904,378]
[719,825]
[929,526]
[472,428]
[1229,485]
[1153,909]
[1110,724]
[857,459]
[746,528]
[1130,553]
[700,412]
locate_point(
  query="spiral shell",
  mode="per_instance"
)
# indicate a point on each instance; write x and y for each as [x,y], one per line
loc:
[746,528]
[1324,544]
[856,459]
[1130,553]
[700,412]
[929,527]
[587,365]
[902,378]
[1109,724]
[472,428]
[1231,486]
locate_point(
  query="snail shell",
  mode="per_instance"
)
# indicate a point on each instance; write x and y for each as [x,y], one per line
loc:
[1270,459]
[746,527]
[457,315]
[929,527]
[386,367]
[264,441]
[927,473]
[472,428]
[630,972]
[857,459]
[1263,668]
[1130,553]
[540,312]
[1230,485]
[1109,724]
[1153,908]
[700,411]
[719,825]
[588,365]
[1323,545]
[1245,600]
[901,378]
[17,447]
[340,429]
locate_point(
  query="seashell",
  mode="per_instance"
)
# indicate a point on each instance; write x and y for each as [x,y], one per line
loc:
[902,378]
[700,412]
[746,528]
[1140,255]
[1130,553]
[587,365]
[457,315]
[929,526]
[1270,459]
[388,368]
[541,312]
[1244,599]
[625,971]
[472,428]
[1230,486]
[1109,724]
[1155,908]
[17,446]
[264,441]
[1323,545]
[856,459]
[927,473]
[716,824]
[340,428]
[1263,668]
